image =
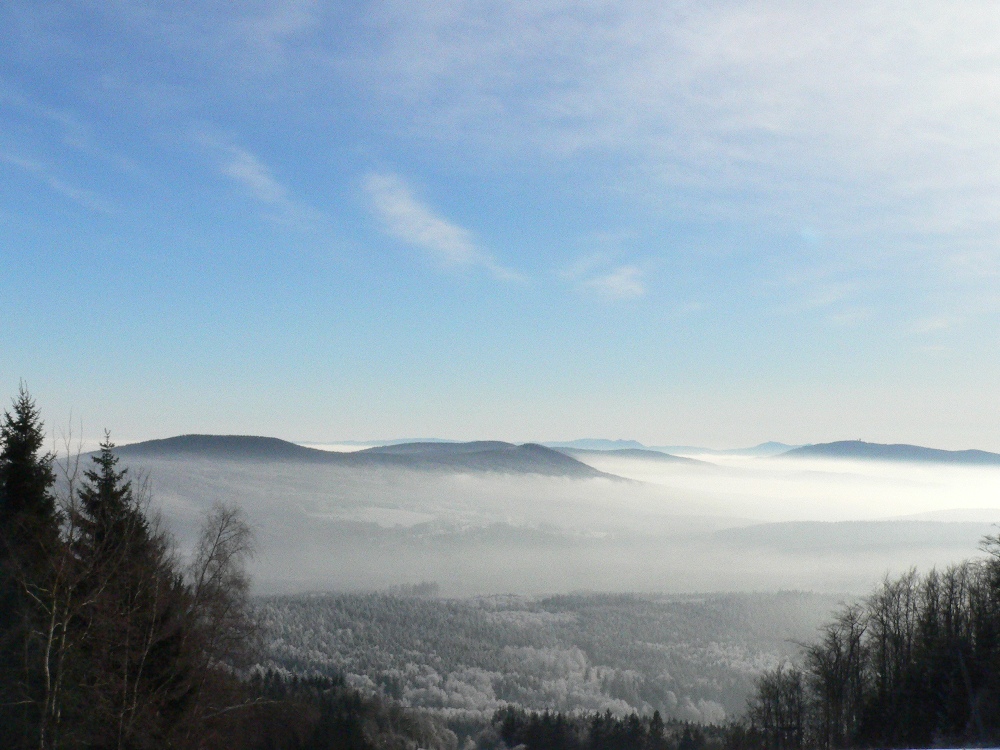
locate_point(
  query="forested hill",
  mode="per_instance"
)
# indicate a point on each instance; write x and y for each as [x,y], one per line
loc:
[480,456]
[858,449]
[230,447]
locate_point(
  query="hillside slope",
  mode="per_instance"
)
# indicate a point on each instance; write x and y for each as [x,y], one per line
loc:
[479,456]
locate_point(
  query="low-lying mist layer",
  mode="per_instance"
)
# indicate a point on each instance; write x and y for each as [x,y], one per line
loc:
[733,524]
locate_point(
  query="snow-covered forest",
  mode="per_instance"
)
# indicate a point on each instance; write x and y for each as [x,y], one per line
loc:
[691,658]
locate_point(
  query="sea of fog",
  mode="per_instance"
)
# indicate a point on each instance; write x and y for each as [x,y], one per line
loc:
[725,524]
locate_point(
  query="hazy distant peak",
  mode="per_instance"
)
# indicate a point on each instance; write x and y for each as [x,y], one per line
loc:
[644,454]
[598,444]
[772,445]
[770,448]
[859,449]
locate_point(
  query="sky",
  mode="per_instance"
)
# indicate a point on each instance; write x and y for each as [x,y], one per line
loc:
[711,223]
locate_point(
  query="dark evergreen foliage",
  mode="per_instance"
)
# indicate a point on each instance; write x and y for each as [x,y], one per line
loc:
[27,506]
[110,518]
[105,642]
[132,634]
[322,713]
[549,730]
[28,536]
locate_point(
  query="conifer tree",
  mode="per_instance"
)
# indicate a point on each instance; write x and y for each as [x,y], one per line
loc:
[132,675]
[112,523]
[27,505]
[29,534]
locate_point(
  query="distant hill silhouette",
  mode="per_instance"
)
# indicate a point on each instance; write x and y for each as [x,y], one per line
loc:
[483,455]
[379,443]
[858,449]
[480,456]
[437,448]
[596,444]
[646,455]
[232,447]
[770,448]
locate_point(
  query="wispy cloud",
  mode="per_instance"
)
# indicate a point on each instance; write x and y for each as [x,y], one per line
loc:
[81,196]
[597,274]
[624,282]
[864,117]
[70,129]
[413,222]
[255,177]
[875,117]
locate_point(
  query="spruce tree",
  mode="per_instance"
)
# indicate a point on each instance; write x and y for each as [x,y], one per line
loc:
[29,537]
[27,505]
[133,674]
[111,519]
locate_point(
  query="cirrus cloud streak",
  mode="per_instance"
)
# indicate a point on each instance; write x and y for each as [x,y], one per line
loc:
[410,220]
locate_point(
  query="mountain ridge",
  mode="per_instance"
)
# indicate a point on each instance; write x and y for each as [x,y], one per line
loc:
[596,444]
[770,448]
[859,449]
[478,456]
[640,453]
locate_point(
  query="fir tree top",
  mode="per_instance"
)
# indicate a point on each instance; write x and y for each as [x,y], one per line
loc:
[26,474]
[107,492]
[112,519]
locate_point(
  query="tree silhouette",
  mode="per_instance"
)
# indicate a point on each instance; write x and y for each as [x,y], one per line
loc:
[28,537]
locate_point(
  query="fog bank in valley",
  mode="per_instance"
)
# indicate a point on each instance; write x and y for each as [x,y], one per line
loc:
[732,524]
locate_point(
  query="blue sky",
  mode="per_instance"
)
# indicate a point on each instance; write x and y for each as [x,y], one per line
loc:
[713,223]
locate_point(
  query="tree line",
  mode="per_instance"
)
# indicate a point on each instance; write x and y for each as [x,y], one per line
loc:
[915,664]
[106,639]
[110,641]
[547,730]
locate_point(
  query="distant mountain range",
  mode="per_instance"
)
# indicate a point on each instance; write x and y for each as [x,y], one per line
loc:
[479,456]
[647,455]
[567,460]
[380,443]
[594,444]
[770,448]
[858,449]
[590,444]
